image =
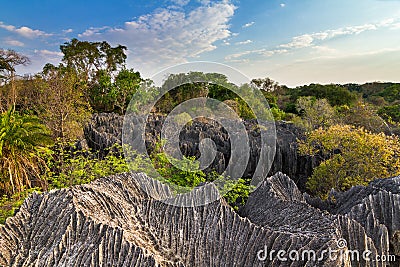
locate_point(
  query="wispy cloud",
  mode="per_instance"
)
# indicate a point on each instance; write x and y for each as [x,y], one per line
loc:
[180,2]
[68,30]
[307,40]
[12,42]
[24,31]
[248,24]
[260,52]
[45,52]
[314,39]
[282,4]
[244,42]
[168,36]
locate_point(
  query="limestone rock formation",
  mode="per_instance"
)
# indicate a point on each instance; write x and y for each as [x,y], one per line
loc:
[372,206]
[106,129]
[365,222]
[113,222]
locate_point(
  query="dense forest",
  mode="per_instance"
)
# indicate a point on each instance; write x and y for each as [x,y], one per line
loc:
[354,129]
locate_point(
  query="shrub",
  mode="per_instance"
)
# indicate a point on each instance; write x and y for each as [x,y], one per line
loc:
[352,156]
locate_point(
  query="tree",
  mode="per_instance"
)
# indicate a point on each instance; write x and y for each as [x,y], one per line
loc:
[335,94]
[108,96]
[352,156]
[266,84]
[390,113]
[64,109]
[391,93]
[20,139]
[9,59]
[315,113]
[87,58]
[363,115]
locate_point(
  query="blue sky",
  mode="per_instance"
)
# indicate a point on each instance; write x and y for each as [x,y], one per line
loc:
[291,41]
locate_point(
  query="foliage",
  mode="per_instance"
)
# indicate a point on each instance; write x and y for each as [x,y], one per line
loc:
[87,58]
[109,96]
[182,118]
[239,193]
[61,104]
[391,93]
[335,94]
[9,59]
[183,172]
[353,156]
[266,84]
[314,112]
[390,113]
[278,114]
[362,115]
[79,167]
[21,139]
[9,205]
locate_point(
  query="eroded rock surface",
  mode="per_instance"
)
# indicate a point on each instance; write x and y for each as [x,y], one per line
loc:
[372,206]
[106,129]
[113,222]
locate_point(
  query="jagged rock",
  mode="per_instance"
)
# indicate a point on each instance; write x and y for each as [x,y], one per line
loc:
[373,205]
[113,222]
[279,204]
[105,130]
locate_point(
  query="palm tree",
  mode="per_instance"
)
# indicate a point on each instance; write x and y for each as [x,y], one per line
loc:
[21,137]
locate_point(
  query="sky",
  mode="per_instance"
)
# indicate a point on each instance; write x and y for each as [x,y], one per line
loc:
[293,42]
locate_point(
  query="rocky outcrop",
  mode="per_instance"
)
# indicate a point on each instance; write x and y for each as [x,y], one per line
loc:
[113,222]
[277,203]
[106,129]
[372,206]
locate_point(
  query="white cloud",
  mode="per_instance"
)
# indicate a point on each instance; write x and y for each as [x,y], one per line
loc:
[46,52]
[307,40]
[7,27]
[180,2]
[24,31]
[93,31]
[248,24]
[313,40]
[263,52]
[395,26]
[324,49]
[299,41]
[226,42]
[68,31]
[13,42]
[282,4]
[169,36]
[244,42]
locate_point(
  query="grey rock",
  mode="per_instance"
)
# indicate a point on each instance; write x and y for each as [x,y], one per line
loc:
[373,206]
[105,129]
[113,222]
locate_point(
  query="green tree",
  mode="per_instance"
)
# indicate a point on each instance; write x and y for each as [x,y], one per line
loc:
[390,113]
[352,156]
[391,93]
[125,86]
[63,107]
[363,115]
[315,113]
[266,84]
[21,138]
[335,94]
[87,58]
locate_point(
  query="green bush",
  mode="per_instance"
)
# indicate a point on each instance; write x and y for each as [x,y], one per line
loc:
[9,205]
